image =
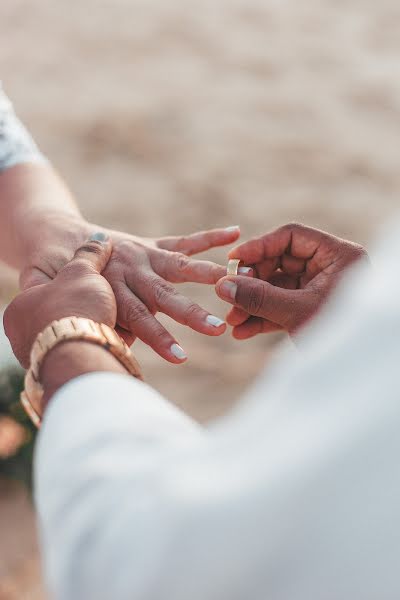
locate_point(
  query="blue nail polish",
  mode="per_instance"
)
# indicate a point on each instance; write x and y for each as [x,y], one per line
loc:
[99,236]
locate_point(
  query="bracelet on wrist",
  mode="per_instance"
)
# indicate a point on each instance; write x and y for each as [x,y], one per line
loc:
[70,328]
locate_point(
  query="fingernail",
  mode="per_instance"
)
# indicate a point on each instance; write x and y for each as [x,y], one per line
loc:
[228,290]
[232,228]
[178,352]
[99,236]
[214,321]
[244,270]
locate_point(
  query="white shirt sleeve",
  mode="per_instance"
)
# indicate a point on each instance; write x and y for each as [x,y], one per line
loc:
[295,495]
[16,144]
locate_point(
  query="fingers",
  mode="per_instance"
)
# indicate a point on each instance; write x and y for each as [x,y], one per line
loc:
[254,326]
[246,327]
[294,239]
[236,316]
[92,256]
[261,299]
[163,297]
[135,317]
[178,268]
[200,241]
[292,265]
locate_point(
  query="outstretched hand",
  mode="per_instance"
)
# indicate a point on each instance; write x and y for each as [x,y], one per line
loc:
[140,272]
[295,269]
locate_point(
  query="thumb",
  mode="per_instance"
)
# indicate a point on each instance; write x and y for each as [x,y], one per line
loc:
[261,299]
[93,255]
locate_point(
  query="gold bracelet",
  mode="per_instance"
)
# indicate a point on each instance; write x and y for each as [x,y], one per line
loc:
[70,328]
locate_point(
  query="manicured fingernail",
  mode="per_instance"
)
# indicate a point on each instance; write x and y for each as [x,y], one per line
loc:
[99,236]
[244,270]
[228,290]
[178,352]
[214,321]
[232,228]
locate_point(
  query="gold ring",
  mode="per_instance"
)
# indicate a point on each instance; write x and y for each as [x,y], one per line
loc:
[233,266]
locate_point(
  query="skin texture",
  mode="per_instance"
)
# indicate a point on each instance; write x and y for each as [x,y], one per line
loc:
[78,289]
[42,227]
[295,269]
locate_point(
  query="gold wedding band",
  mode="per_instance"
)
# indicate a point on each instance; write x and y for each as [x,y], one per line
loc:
[233,267]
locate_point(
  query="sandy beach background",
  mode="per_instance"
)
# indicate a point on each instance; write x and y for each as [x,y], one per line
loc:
[168,117]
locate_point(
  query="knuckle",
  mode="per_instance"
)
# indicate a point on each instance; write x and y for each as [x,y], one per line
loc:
[181,242]
[125,246]
[160,334]
[256,299]
[188,244]
[191,312]
[216,273]
[182,262]
[135,313]
[293,226]
[352,252]
[360,251]
[125,249]
[161,292]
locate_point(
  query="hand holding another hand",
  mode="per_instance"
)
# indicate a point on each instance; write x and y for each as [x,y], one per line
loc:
[141,272]
[295,268]
[77,290]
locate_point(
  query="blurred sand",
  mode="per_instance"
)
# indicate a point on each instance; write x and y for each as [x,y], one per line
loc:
[167,117]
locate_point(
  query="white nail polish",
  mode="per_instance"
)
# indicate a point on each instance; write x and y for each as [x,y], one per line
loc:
[232,228]
[178,352]
[244,270]
[214,321]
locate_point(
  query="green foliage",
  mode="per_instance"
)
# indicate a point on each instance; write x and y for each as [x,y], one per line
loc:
[19,465]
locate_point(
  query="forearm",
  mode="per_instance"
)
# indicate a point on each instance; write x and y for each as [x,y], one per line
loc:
[37,212]
[72,359]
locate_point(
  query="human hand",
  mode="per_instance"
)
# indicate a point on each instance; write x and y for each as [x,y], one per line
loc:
[77,290]
[140,272]
[295,268]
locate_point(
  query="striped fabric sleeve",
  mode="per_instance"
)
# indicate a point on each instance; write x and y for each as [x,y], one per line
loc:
[16,144]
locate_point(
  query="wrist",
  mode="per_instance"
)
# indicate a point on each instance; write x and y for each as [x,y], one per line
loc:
[58,238]
[71,359]
[35,204]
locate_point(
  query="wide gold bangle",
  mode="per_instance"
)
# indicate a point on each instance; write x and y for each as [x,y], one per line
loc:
[70,328]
